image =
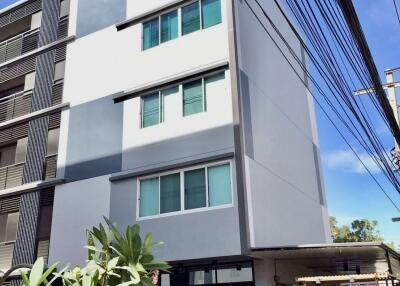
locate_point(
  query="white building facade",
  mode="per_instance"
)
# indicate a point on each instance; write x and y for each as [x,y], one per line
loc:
[184,117]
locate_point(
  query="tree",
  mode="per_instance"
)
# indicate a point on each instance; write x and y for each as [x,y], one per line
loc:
[359,231]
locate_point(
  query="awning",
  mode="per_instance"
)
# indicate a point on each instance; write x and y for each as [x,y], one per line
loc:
[345,278]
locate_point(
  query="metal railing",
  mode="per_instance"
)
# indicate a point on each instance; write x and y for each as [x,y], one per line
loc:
[19,45]
[20,13]
[11,176]
[6,253]
[15,105]
[51,167]
[20,103]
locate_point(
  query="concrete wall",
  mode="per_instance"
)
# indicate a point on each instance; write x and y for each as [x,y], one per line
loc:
[94,145]
[99,137]
[78,206]
[93,15]
[284,191]
[191,235]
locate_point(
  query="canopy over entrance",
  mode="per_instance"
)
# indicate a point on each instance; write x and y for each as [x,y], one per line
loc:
[332,263]
[352,278]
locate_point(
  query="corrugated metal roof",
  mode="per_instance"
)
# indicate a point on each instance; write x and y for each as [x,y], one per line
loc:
[345,278]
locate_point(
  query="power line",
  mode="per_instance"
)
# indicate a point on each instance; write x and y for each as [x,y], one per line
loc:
[397,10]
[381,157]
[311,92]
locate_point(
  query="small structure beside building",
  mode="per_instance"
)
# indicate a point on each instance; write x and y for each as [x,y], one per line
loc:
[329,264]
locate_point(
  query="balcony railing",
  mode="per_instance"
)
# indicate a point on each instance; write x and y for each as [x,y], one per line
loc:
[15,105]
[11,176]
[20,103]
[51,167]
[19,45]
[6,253]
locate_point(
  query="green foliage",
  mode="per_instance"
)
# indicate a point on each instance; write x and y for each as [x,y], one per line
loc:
[36,276]
[359,231]
[114,259]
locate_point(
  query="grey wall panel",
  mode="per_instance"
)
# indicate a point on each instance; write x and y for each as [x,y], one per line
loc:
[94,15]
[25,246]
[201,144]
[94,139]
[72,217]
[283,185]
[195,235]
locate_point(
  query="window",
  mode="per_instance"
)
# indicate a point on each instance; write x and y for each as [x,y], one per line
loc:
[53,138]
[190,18]
[149,197]
[64,8]
[193,97]
[151,109]
[193,17]
[160,195]
[59,70]
[170,195]
[169,26]
[194,100]
[235,274]
[219,185]
[8,227]
[210,274]
[151,34]
[211,13]
[195,189]
[208,186]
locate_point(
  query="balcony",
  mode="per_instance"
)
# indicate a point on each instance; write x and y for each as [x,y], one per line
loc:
[15,105]
[19,45]
[11,176]
[6,253]
[19,104]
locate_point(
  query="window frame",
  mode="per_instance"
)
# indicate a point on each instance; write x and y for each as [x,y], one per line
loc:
[159,32]
[179,16]
[160,109]
[178,13]
[200,15]
[182,171]
[203,90]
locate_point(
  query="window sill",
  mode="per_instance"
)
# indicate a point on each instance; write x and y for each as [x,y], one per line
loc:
[184,212]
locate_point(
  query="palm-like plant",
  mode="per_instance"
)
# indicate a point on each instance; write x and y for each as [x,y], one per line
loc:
[116,259]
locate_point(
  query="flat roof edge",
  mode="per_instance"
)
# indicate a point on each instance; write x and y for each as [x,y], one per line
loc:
[12,6]
[328,245]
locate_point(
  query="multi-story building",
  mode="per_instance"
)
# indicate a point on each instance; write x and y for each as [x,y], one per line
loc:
[181,116]
[33,39]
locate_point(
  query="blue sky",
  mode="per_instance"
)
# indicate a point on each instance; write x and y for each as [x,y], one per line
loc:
[4,3]
[350,191]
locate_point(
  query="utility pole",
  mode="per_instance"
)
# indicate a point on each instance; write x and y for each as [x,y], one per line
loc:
[390,86]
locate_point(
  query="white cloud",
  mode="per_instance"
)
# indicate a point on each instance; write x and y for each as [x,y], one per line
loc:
[345,160]
[344,219]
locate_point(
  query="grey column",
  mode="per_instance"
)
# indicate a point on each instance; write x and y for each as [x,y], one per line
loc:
[25,246]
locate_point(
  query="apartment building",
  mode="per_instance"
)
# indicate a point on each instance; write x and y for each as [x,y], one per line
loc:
[33,39]
[181,116]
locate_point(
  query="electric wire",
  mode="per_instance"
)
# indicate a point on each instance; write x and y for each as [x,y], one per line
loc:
[397,10]
[336,75]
